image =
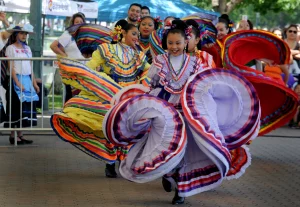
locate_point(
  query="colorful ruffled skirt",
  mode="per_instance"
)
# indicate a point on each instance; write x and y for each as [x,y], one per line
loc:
[194,149]
[80,122]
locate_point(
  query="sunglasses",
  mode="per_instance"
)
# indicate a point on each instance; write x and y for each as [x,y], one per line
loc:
[292,31]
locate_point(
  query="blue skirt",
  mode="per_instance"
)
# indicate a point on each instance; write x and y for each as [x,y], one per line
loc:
[25,116]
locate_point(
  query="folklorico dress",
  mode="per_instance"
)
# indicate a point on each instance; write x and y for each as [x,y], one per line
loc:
[23,103]
[207,60]
[186,126]
[144,46]
[278,102]
[81,119]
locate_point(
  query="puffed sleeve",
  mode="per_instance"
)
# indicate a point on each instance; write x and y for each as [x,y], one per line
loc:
[145,80]
[65,39]
[9,51]
[96,60]
[154,69]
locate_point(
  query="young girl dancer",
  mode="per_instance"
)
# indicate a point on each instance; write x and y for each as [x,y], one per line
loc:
[194,46]
[183,129]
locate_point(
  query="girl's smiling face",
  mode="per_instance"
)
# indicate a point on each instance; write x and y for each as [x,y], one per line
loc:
[131,36]
[146,27]
[176,44]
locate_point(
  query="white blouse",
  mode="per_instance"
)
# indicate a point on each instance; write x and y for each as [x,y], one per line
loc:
[69,45]
[177,62]
[21,66]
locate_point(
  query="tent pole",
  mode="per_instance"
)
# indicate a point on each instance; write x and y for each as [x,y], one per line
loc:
[43,28]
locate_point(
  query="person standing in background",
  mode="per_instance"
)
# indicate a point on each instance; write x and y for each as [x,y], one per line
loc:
[66,46]
[133,15]
[4,35]
[145,11]
[24,88]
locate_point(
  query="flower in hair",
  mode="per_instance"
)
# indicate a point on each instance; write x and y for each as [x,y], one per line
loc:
[188,32]
[116,33]
[168,25]
[158,21]
[139,20]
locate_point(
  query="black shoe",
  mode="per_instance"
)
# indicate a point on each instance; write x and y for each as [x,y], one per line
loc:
[26,141]
[166,184]
[12,141]
[110,171]
[177,199]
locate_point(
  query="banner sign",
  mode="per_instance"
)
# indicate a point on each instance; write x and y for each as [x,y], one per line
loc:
[68,8]
[53,7]
[57,7]
[90,9]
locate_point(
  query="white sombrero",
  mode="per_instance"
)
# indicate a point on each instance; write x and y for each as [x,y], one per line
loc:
[21,28]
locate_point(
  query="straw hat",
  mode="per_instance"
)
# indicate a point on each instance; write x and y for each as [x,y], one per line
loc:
[21,28]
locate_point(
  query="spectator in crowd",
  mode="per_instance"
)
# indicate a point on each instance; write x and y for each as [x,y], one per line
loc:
[278,32]
[4,35]
[295,123]
[279,72]
[245,25]
[66,46]
[24,87]
[291,39]
[133,15]
[298,35]
[145,11]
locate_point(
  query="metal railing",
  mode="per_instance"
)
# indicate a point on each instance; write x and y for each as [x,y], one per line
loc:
[42,116]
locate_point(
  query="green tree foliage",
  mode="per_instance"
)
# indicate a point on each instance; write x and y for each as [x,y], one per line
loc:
[204,4]
[266,6]
[261,6]
[263,13]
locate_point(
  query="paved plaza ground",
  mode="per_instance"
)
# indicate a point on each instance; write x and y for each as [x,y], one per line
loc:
[54,173]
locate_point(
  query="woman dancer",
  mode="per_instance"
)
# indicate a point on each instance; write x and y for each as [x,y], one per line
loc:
[66,46]
[224,26]
[147,25]
[118,65]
